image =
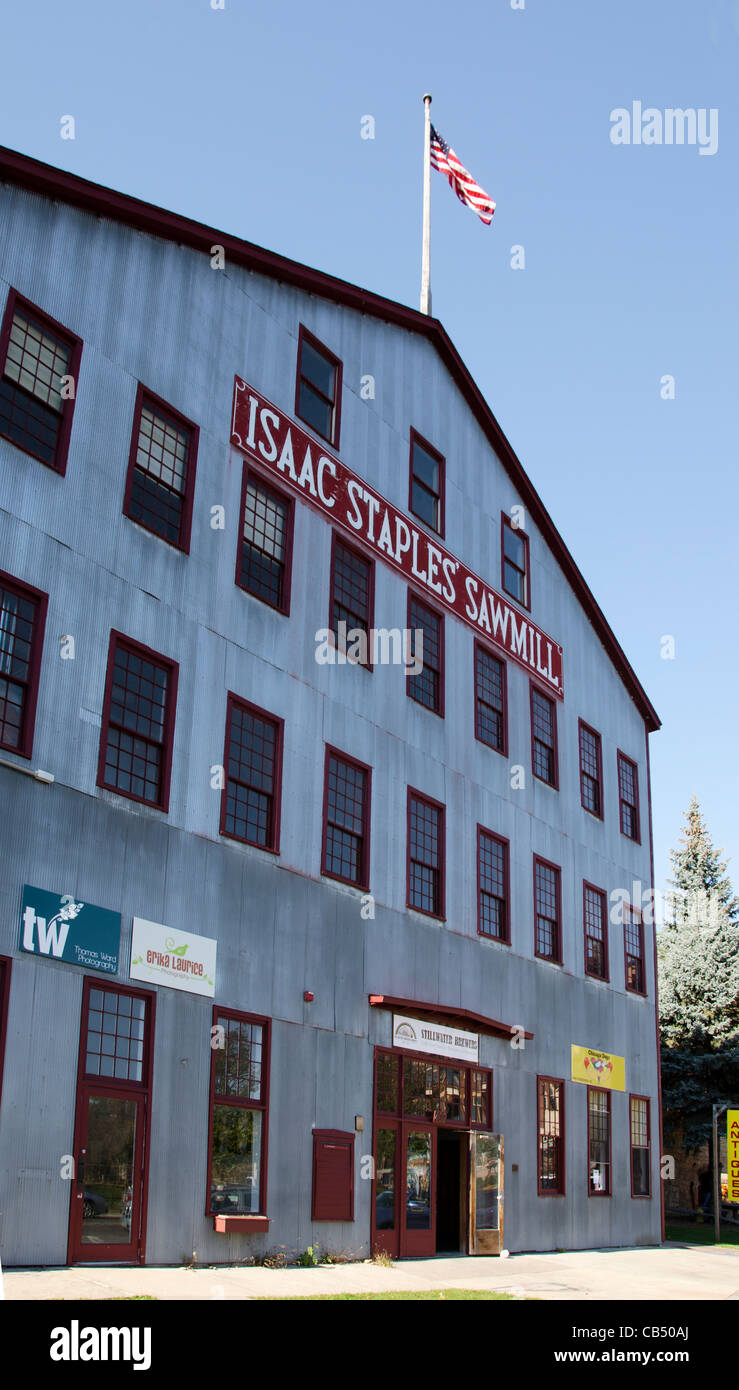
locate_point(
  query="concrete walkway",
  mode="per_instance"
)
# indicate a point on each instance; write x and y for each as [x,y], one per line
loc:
[672,1271]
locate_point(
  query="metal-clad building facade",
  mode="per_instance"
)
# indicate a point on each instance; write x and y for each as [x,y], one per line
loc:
[151,309]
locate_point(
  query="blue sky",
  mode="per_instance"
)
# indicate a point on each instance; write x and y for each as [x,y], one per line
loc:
[248,118]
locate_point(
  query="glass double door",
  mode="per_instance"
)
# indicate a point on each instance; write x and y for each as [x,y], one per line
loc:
[406,1184]
[105,1223]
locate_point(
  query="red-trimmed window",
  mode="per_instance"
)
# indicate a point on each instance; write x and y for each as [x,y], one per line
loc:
[515,569]
[6,966]
[138,722]
[595,927]
[22,623]
[425,854]
[599,1142]
[547,911]
[491,722]
[346,819]
[250,801]
[333,1175]
[426,496]
[628,797]
[493,904]
[591,770]
[640,1141]
[318,388]
[116,1034]
[634,950]
[481,1098]
[239,1101]
[264,558]
[544,737]
[427,686]
[352,599]
[550,1157]
[40,368]
[161,470]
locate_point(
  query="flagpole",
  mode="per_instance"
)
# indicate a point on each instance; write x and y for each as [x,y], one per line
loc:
[426,251]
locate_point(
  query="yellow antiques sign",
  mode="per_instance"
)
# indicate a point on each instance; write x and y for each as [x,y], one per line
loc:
[598,1068]
[732,1154]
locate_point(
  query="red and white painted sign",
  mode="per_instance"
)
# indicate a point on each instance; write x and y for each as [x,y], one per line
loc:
[282,447]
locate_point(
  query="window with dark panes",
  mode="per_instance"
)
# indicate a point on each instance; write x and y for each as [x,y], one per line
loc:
[238,1131]
[544,737]
[515,562]
[434,1092]
[387,1083]
[480,1098]
[346,820]
[599,1142]
[426,687]
[641,1182]
[595,919]
[427,484]
[22,620]
[136,739]
[36,404]
[115,1035]
[628,793]
[492,877]
[266,539]
[318,392]
[425,856]
[634,950]
[490,699]
[161,471]
[551,1128]
[547,910]
[351,594]
[591,794]
[250,798]
[6,966]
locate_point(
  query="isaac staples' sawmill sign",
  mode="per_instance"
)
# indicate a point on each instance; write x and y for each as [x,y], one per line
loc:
[275,441]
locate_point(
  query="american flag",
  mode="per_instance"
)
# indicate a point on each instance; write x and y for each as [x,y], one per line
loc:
[470,193]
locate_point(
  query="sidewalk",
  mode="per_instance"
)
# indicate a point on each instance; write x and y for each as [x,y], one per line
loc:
[672,1271]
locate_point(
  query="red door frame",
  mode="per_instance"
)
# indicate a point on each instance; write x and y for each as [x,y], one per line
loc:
[416,1244]
[393,1242]
[122,1253]
[89,1084]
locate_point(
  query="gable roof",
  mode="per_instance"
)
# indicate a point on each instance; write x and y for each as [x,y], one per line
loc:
[64,187]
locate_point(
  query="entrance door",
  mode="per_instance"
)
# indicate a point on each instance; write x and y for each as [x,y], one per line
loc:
[418,1208]
[105,1219]
[451,1190]
[486,1194]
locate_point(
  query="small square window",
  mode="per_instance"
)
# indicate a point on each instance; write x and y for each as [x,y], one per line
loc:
[22,623]
[161,470]
[427,479]
[318,388]
[40,366]
[515,562]
[264,556]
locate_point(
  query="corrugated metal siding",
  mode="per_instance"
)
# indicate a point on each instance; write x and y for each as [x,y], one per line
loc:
[158,313]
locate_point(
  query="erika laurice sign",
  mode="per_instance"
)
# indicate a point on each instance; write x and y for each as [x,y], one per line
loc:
[178,959]
[280,446]
[63,928]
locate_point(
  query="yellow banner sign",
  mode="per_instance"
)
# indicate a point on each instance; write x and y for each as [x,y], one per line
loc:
[732,1153]
[598,1068]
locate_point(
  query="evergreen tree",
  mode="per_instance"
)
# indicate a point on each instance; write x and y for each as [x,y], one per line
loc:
[698,956]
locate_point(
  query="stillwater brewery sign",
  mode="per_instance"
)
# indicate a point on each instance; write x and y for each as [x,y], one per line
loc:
[274,441]
[63,928]
[177,959]
[417,1036]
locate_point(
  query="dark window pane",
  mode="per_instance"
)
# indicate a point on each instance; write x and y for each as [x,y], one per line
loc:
[425,687]
[264,544]
[250,777]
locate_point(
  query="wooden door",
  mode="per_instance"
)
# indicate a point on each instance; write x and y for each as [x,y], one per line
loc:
[486,1193]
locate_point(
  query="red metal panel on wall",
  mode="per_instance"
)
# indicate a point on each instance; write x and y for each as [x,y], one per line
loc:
[274,440]
[333,1175]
